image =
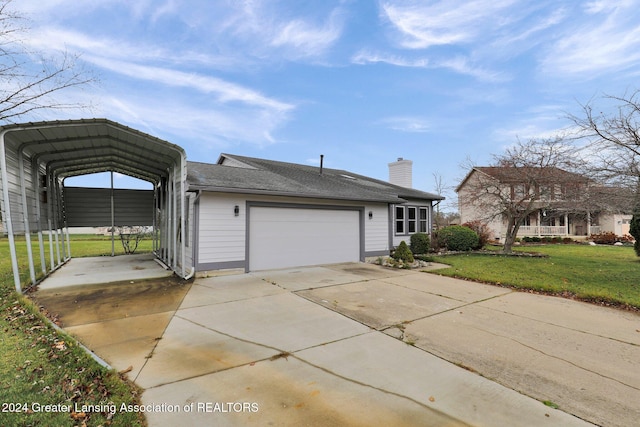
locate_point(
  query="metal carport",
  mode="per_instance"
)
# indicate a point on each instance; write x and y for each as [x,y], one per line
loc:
[35,158]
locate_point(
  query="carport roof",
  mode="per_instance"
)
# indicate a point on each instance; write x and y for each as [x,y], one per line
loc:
[78,147]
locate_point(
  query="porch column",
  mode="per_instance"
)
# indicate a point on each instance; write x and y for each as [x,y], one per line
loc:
[539,224]
[588,223]
[566,224]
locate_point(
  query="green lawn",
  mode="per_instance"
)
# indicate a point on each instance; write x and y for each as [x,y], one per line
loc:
[40,366]
[602,274]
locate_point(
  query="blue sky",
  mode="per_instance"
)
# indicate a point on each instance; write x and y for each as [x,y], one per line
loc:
[362,82]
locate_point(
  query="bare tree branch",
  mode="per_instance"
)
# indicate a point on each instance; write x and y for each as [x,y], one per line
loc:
[613,140]
[32,81]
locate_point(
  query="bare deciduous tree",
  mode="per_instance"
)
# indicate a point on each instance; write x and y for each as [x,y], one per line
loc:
[526,178]
[30,80]
[613,139]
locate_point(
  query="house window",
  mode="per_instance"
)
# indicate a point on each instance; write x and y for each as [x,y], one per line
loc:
[412,220]
[547,192]
[399,219]
[422,223]
[520,192]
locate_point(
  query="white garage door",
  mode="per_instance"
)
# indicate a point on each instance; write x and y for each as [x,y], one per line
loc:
[294,237]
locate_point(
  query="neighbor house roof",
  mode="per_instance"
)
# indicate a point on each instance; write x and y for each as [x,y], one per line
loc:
[240,174]
[514,175]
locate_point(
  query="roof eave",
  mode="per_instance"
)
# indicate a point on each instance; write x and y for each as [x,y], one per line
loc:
[235,190]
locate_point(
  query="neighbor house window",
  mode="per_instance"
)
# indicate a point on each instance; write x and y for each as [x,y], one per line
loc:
[412,219]
[422,223]
[399,219]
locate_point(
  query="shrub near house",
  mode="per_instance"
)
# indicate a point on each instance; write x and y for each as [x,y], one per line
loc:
[403,253]
[458,238]
[420,243]
[609,238]
[482,230]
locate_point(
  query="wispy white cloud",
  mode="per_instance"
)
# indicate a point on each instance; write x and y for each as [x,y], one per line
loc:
[421,25]
[306,38]
[225,91]
[274,33]
[209,125]
[407,124]
[606,40]
[368,57]
[543,121]
[458,64]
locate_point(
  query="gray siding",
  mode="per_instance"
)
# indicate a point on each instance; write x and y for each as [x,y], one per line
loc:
[91,207]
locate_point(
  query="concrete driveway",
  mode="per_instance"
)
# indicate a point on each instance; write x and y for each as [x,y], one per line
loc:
[358,344]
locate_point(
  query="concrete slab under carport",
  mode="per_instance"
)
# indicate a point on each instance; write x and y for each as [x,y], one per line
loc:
[120,321]
[106,269]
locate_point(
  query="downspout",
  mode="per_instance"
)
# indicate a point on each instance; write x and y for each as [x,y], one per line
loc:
[7,211]
[193,240]
[183,213]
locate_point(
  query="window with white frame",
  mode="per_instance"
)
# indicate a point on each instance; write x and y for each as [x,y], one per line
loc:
[423,220]
[399,219]
[412,219]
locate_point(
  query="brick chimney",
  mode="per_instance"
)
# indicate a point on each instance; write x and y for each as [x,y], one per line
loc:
[400,172]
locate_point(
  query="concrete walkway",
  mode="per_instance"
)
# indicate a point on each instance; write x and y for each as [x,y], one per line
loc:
[361,345]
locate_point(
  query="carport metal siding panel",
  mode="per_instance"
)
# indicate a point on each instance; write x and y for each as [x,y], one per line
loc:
[91,207]
[331,235]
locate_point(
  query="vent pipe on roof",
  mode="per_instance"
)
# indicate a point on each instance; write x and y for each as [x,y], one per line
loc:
[321,162]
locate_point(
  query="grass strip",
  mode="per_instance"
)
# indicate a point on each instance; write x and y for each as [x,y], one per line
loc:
[607,275]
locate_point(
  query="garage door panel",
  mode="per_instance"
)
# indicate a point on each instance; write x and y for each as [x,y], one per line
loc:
[291,237]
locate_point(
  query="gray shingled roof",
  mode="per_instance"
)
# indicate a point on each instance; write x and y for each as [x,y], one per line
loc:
[289,179]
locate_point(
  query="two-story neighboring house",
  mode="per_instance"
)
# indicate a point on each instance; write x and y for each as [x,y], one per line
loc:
[550,201]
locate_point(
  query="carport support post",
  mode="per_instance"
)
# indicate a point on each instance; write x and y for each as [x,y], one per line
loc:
[113,225]
[7,212]
[35,172]
[25,218]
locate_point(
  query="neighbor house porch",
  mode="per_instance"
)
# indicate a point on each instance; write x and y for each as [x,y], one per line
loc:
[546,223]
